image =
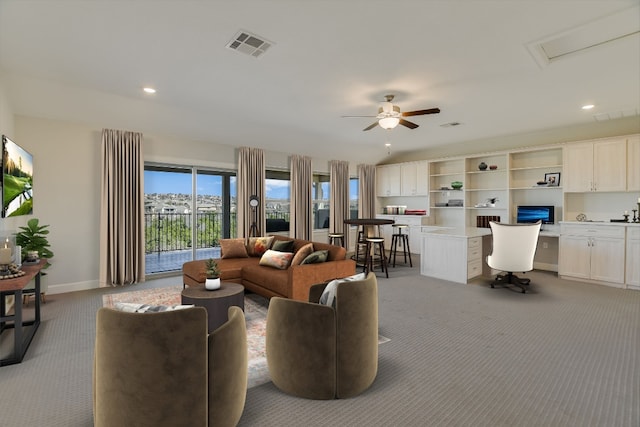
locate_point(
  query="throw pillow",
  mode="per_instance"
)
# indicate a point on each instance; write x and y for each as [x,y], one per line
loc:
[233,248]
[316,257]
[328,296]
[130,307]
[282,245]
[302,253]
[276,259]
[258,245]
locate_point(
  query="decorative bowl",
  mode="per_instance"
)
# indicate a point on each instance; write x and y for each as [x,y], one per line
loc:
[456,185]
[542,183]
[493,167]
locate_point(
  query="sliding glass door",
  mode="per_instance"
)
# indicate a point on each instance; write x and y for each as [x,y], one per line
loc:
[187,211]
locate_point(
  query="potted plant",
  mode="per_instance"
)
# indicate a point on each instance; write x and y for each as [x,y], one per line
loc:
[33,238]
[213,275]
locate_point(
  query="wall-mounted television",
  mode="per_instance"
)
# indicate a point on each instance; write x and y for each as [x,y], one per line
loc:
[17,179]
[531,214]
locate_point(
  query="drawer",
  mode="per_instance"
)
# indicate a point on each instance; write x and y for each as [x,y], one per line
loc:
[474,254]
[474,242]
[474,269]
[592,230]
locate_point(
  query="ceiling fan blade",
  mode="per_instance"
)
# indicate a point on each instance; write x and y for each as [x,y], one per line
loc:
[371,126]
[408,124]
[421,112]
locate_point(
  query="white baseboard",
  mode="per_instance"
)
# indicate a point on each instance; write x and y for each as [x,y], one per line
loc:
[72,287]
[545,266]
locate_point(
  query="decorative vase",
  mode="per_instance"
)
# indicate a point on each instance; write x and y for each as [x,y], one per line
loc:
[482,166]
[212,284]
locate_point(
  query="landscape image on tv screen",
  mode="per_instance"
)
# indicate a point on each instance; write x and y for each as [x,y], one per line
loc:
[17,179]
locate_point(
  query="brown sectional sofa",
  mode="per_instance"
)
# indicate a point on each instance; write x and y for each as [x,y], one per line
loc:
[293,282]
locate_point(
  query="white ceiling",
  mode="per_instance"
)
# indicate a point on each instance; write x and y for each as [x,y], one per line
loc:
[87,60]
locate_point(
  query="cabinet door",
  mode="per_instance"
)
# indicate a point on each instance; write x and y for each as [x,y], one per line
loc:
[633,163]
[422,178]
[409,173]
[382,181]
[607,259]
[578,168]
[610,165]
[633,267]
[574,257]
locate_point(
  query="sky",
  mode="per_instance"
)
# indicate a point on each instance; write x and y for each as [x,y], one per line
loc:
[180,183]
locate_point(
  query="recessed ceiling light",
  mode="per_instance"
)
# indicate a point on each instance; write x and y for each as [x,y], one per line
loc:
[149,90]
[588,107]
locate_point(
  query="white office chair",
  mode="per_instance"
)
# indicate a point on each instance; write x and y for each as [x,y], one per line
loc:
[514,246]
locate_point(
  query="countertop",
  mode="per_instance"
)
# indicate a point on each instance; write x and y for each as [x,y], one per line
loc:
[465,232]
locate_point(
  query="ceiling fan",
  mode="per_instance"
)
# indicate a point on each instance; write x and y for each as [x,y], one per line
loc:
[389,115]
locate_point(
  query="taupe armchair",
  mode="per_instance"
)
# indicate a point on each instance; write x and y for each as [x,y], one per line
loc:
[318,352]
[163,369]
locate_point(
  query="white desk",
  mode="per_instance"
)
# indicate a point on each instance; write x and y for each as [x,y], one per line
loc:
[453,254]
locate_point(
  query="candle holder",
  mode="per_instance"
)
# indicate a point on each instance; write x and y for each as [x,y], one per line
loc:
[7,252]
[636,218]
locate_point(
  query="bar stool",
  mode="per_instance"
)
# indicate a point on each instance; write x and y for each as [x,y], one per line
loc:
[360,246]
[334,238]
[399,238]
[371,244]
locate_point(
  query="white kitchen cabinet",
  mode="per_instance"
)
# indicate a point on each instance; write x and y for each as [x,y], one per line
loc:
[633,163]
[593,252]
[632,274]
[388,180]
[595,166]
[413,230]
[414,178]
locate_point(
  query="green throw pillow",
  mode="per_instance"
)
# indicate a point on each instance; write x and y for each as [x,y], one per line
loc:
[316,257]
[282,245]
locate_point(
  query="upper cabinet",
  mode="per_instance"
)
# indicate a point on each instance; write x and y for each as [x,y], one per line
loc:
[403,179]
[388,180]
[414,178]
[596,166]
[633,163]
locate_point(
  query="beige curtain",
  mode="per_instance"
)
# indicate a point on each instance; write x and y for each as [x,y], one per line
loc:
[367,191]
[339,198]
[301,181]
[122,209]
[251,176]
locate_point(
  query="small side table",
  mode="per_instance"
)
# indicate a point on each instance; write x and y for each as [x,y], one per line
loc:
[216,302]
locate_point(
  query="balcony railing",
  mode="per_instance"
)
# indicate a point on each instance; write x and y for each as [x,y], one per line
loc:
[167,232]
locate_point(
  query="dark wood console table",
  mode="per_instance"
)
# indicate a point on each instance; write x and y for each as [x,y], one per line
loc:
[23,332]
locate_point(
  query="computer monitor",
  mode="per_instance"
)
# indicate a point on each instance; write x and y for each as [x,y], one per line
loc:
[531,214]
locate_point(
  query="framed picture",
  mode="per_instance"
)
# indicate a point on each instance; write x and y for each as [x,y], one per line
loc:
[553,179]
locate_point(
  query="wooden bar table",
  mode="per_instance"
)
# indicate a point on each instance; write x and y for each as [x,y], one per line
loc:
[23,332]
[367,225]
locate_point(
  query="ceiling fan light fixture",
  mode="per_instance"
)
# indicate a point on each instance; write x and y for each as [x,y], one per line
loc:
[388,122]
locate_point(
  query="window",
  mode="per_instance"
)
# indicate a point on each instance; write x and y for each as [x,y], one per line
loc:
[184,205]
[277,196]
[353,198]
[320,193]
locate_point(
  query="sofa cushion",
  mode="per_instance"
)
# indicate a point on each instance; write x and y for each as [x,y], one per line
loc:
[233,248]
[302,253]
[276,259]
[258,245]
[283,245]
[267,277]
[316,257]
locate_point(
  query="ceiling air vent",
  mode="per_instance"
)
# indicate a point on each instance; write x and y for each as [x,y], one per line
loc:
[450,124]
[586,37]
[613,115]
[249,44]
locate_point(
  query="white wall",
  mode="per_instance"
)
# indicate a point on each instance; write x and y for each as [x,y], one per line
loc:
[67,187]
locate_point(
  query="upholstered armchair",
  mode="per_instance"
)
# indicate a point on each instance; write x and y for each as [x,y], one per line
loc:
[163,369]
[317,351]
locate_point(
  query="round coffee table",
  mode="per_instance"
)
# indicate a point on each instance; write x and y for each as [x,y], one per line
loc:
[216,302]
